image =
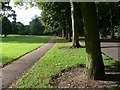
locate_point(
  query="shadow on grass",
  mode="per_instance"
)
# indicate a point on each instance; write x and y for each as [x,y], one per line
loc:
[30,39]
[69,48]
[25,39]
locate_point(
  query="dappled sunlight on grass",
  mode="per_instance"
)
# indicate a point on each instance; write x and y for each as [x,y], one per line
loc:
[51,64]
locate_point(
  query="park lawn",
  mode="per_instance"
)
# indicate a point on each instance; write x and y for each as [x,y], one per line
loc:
[52,63]
[15,46]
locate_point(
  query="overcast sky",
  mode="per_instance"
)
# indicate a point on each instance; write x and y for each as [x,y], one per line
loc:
[24,16]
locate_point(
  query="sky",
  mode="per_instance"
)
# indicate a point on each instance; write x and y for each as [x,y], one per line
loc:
[25,16]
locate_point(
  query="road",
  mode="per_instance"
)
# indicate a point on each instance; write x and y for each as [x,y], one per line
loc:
[112,49]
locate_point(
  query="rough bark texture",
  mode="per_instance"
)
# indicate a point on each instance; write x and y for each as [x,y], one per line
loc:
[75,41]
[94,62]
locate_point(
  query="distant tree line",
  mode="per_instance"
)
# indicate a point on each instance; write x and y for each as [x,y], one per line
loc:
[73,19]
[56,17]
[12,27]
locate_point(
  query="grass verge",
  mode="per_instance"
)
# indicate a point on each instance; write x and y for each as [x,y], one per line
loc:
[52,63]
[15,46]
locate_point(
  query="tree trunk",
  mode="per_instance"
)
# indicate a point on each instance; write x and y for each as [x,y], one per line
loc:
[63,32]
[60,33]
[75,41]
[5,35]
[66,33]
[69,35]
[94,62]
[111,22]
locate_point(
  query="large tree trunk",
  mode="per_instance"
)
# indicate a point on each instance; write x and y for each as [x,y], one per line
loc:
[94,62]
[75,41]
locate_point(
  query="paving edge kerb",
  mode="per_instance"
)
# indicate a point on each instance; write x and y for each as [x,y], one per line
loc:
[16,69]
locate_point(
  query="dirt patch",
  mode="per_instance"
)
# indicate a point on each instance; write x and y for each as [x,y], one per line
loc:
[74,78]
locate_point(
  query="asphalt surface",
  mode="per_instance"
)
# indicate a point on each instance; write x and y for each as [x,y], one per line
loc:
[15,70]
[111,49]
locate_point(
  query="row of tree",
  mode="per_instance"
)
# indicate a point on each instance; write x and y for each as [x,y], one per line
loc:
[56,17]
[71,19]
[12,27]
[34,28]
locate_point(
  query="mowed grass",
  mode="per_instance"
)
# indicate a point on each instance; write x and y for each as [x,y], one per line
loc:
[52,63]
[15,46]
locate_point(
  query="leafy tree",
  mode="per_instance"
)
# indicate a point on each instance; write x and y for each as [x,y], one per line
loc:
[5,24]
[94,62]
[20,27]
[14,28]
[7,11]
[114,16]
[63,23]
[108,13]
[49,16]
[36,28]
[103,18]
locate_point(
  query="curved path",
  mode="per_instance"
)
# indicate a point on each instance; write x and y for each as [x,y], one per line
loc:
[13,71]
[111,49]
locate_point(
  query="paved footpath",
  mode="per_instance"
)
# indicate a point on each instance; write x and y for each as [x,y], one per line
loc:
[13,71]
[111,49]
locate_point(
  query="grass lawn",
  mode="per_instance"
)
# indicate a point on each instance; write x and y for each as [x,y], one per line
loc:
[15,46]
[53,62]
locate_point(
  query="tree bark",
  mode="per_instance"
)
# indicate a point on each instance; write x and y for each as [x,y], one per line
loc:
[75,41]
[69,35]
[111,22]
[5,35]
[66,33]
[63,32]
[94,62]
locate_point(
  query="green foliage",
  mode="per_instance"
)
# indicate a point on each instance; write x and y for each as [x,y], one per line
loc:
[52,63]
[104,22]
[107,10]
[6,26]
[22,29]
[55,15]
[14,28]
[19,28]
[7,11]
[36,28]
[15,46]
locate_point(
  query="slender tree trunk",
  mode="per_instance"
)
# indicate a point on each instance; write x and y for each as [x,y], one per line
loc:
[63,32]
[60,33]
[5,35]
[75,41]
[111,22]
[66,33]
[94,62]
[69,35]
